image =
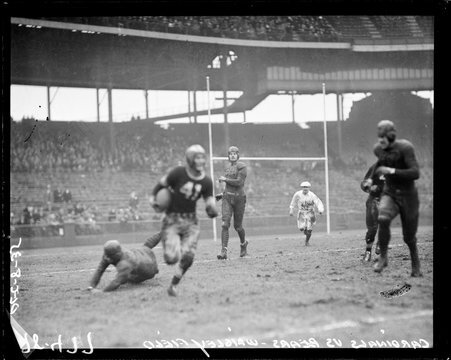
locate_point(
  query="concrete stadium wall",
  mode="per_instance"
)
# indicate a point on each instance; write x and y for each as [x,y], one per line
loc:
[279,225]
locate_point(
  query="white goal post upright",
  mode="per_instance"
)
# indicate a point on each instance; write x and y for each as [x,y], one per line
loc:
[211,151]
[326,159]
[272,158]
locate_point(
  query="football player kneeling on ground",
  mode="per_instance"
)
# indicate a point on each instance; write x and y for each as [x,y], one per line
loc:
[180,230]
[132,265]
[306,201]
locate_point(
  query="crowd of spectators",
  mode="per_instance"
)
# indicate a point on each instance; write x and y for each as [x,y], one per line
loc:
[74,153]
[39,221]
[273,28]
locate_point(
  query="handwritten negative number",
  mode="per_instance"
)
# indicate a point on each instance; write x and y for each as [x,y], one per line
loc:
[188,188]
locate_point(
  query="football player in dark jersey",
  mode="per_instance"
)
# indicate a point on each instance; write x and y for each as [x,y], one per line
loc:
[398,165]
[371,184]
[233,201]
[180,230]
[132,265]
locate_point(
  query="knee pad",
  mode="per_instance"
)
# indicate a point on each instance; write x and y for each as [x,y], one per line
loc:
[171,259]
[187,260]
[225,225]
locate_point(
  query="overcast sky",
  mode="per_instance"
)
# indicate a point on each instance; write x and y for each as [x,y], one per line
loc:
[79,104]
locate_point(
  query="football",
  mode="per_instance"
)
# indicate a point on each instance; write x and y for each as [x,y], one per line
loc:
[162,200]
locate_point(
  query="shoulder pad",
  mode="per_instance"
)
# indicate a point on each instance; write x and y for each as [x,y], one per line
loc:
[240,165]
[404,143]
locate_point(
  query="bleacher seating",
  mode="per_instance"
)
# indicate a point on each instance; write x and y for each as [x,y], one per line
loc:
[273,28]
[270,184]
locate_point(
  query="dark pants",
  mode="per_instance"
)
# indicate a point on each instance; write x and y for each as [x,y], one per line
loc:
[372,213]
[232,205]
[406,204]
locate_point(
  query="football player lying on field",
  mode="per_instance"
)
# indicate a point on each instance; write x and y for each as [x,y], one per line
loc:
[132,265]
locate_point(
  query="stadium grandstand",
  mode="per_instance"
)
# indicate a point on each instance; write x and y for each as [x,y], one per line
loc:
[100,168]
[274,28]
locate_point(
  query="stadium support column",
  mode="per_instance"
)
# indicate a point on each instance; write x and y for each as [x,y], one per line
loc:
[98,104]
[146,96]
[49,102]
[189,106]
[195,106]
[224,90]
[195,88]
[292,107]
[339,122]
[110,121]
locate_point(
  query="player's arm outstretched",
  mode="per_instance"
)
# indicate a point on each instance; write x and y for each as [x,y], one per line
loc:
[123,273]
[98,273]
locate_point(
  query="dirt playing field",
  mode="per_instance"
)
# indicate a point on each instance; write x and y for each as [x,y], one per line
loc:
[283,294]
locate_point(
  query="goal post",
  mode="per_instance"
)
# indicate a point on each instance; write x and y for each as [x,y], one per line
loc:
[318,158]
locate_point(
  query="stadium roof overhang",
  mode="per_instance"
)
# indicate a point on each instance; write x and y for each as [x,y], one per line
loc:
[76,55]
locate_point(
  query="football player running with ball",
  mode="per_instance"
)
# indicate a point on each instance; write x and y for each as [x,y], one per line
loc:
[306,201]
[398,165]
[233,201]
[180,229]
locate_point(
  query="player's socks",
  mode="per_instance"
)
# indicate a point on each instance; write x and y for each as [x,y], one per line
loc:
[225,242]
[172,287]
[175,280]
[308,234]
[415,260]
[382,261]
[243,248]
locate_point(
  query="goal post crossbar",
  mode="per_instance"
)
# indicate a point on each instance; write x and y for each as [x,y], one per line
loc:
[275,158]
[325,158]
[213,158]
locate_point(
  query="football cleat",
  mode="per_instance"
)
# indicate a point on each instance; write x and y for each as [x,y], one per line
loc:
[223,254]
[367,256]
[172,291]
[243,250]
[381,263]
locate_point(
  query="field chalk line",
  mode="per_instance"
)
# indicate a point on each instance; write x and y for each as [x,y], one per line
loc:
[215,260]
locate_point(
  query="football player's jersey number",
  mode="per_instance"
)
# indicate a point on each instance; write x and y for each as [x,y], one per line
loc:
[190,190]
